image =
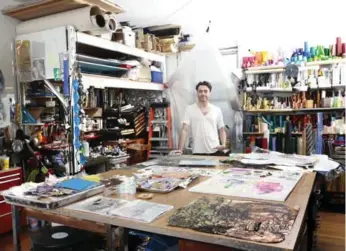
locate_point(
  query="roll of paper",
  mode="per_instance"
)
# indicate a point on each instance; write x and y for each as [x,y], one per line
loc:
[300,145]
[111,25]
[83,19]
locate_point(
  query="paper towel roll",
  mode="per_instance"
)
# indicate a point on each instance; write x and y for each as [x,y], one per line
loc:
[84,19]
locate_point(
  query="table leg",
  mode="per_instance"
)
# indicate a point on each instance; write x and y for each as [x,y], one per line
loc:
[16,228]
[123,239]
[312,218]
[111,240]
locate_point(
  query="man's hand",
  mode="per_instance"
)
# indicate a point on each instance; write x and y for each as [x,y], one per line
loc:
[176,152]
[221,148]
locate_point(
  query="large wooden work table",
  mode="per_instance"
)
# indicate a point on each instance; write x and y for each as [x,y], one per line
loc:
[181,197]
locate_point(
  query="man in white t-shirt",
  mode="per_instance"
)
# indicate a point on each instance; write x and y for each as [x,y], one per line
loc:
[206,123]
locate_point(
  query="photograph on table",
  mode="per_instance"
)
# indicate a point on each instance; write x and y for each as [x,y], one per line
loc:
[250,183]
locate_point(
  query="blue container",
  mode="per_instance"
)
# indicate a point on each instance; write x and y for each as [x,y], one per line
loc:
[156,77]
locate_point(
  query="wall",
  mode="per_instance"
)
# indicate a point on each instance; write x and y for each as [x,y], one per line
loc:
[251,24]
[266,24]
[7,30]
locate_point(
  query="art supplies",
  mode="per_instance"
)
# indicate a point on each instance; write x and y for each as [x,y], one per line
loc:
[184,174]
[254,221]
[250,183]
[159,185]
[76,184]
[167,170]
[41,195]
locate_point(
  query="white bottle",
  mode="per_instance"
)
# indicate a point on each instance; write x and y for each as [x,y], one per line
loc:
[86,148]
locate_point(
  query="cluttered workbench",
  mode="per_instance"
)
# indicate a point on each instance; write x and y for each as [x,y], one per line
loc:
[292,208]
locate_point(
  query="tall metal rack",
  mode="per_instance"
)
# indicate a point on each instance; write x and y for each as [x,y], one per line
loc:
[54,44]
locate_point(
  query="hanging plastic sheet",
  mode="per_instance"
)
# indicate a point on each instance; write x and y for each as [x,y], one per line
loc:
[204,63]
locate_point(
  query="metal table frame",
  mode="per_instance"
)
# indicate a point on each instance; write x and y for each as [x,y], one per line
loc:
[113,233]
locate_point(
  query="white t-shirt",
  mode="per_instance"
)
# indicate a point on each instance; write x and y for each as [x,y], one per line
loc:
[204,128]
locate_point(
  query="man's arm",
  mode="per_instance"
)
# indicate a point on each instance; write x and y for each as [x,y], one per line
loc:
[223,136]
[182,136]
[222,132]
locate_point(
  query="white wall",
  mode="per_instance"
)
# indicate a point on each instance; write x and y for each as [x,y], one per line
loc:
[7,31]
[266,24]
[253,24]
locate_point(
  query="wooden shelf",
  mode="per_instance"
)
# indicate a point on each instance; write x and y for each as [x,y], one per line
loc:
[99,81]
[36,9]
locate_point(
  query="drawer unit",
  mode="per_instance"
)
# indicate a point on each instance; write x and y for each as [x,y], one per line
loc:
[8,179]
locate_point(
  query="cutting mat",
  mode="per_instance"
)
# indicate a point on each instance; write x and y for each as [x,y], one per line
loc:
[36,9]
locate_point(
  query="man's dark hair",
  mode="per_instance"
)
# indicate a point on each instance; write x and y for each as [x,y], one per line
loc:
[205,83]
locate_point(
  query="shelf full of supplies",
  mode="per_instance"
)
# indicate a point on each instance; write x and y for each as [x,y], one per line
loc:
[303,67]
[94,41]
[302,111]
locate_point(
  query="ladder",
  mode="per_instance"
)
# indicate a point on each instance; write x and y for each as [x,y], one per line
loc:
[160,130]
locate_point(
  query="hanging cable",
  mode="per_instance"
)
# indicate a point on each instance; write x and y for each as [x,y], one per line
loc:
[208,28]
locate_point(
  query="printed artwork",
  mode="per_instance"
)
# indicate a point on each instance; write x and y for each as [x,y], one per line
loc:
[250,183]
[98,204]
[264,187]
[140,210]
[137,210]
[160,169]
[255,221]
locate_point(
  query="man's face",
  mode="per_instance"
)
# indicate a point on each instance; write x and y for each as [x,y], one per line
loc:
[203,93]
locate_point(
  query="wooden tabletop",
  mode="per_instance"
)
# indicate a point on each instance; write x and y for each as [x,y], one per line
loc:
[181,197]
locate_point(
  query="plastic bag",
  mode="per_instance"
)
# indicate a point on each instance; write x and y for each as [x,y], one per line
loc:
[204,63]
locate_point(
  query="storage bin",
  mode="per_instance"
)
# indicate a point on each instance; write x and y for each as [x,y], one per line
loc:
[156,77]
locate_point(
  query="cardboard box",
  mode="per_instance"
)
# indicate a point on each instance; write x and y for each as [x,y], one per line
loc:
[139,35]
[139,44]
[148,46]
[169,44]
[125,36]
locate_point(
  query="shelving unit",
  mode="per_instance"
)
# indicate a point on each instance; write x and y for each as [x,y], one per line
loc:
[288,96]
[80,48]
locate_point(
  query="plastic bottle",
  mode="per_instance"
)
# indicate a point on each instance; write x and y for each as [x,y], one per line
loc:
[86,148]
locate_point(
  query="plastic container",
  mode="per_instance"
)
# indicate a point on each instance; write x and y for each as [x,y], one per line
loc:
[4,162]
[156,77]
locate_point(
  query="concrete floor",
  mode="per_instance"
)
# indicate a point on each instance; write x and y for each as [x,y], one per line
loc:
[331,234]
